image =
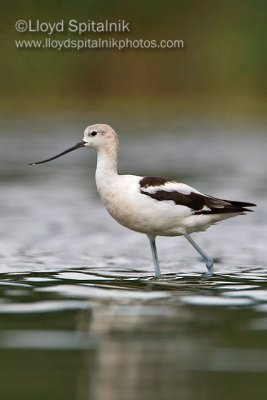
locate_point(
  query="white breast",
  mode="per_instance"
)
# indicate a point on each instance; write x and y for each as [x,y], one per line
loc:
[125,203]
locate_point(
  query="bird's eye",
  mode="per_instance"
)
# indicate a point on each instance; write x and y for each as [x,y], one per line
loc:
[93,133]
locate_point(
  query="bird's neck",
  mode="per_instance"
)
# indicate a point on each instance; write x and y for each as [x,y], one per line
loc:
[106,170]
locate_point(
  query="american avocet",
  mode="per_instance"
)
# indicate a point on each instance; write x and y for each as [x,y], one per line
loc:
[154,206]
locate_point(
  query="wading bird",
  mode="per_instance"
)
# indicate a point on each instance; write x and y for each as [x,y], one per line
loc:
[154,206]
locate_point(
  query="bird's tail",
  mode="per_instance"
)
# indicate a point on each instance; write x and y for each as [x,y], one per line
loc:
[230,206]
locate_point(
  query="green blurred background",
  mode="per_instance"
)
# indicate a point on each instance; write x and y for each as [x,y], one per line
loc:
[221,71]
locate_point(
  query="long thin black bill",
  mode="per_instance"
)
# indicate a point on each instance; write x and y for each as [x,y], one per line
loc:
[76,146]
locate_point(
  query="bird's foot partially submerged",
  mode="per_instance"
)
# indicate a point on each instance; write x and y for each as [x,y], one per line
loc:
[210,268]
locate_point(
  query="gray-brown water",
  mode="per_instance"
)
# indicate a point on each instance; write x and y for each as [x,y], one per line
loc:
[81,316]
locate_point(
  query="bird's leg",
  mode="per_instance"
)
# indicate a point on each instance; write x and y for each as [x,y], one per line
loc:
[152,242]
[208,260]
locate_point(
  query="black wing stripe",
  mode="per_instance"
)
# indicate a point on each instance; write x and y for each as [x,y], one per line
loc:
[193,201]
[151,181]
[199,203]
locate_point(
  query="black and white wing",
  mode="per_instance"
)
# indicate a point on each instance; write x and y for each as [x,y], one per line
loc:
[162,189]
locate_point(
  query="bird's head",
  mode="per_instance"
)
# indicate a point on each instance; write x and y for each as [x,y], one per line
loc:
[97,136]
